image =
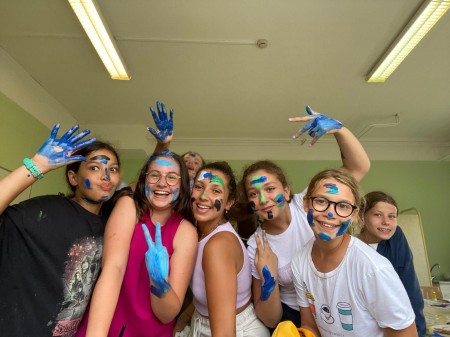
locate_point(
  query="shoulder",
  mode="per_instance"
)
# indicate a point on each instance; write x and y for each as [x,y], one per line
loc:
[223,244]
[186,231]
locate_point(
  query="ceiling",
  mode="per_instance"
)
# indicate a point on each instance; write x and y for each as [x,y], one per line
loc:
[232,99]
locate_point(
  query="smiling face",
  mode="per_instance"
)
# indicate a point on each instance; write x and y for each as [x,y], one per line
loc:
[210,197]
[193,163]
[266,194]
[162,185]
[97,178]
[326,223]
[380,222]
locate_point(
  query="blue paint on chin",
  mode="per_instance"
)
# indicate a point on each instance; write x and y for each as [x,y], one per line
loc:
[88,184]
[310,217]
[343,228]
[324,236]
[92,202]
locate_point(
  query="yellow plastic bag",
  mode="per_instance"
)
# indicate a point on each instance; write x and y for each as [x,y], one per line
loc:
[288,329]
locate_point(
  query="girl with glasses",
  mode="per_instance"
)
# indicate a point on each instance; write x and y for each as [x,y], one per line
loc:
[284,229]
[149,255]
[380,231]
[344,287]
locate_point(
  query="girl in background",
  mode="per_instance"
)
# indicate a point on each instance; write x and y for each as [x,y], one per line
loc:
[380,231]
[46,241]
[284,225]
[142,285]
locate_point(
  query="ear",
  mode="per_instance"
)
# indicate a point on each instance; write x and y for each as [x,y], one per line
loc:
[287,193]
[72,178]
[229,203]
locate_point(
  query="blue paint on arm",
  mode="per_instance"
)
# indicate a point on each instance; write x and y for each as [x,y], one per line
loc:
[268,285]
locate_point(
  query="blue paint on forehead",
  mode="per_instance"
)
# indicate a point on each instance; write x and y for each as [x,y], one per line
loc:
[332,189]
[164,162]
[102,158]
[258,180]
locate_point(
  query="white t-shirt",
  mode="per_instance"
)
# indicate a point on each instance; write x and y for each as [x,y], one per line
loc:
[360,297]
[285,246]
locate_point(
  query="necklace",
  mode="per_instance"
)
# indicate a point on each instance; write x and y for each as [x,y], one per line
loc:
[202,235]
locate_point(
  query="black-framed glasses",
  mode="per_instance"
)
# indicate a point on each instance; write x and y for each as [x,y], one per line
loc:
[342,208]
[171,178]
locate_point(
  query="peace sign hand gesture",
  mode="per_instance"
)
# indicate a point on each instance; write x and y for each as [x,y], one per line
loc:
[157,262]
[266,260]
[318,125]
[163,133]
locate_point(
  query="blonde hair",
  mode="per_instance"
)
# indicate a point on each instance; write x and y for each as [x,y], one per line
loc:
[344,177]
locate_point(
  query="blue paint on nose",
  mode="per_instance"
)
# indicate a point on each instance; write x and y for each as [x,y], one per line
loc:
[330,215]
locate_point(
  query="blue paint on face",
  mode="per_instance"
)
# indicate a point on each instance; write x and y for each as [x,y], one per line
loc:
[176,194]
[102,158]
[324,236]
[107,176]
[332,189]
[105,198]
[104,161]
[343,228]
[279,199]
[148,191]
[258,180]
[310,217]
[165,162]
[330,215]
[88,184]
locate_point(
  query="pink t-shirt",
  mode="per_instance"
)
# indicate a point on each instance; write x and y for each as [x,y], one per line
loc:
[133,306]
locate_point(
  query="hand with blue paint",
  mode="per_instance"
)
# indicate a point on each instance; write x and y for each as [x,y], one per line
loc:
[157,262]
[265,262]
[163,133]
[317,124]
[57,151]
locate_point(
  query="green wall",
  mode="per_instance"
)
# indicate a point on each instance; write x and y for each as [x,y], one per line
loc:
[423,185]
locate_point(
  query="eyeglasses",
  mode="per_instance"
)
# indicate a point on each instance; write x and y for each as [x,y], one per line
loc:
[343,209]
[171,178]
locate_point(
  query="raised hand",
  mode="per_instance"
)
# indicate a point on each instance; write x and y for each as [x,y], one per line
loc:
[58,151]
[157,262]
[318,125]
[265,261]
[164,125]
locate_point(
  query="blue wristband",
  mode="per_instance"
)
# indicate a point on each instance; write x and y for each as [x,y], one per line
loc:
[35,172]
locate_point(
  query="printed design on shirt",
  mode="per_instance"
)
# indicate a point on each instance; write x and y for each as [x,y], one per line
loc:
[345,315]
[285,275]
[81,270]
[311,300]
[325,314]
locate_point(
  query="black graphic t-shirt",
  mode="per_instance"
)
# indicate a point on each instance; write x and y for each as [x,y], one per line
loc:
[50,256]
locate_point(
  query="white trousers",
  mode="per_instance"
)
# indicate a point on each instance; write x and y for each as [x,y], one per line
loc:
[247,325]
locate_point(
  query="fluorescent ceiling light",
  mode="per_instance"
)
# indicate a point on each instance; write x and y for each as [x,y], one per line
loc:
[425,18]
[100,36]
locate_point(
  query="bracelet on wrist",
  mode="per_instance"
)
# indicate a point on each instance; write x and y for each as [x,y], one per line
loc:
[35,172]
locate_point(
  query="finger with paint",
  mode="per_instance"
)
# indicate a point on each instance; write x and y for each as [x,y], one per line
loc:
[318,125]
[164,125]
[157,262]
[58,151]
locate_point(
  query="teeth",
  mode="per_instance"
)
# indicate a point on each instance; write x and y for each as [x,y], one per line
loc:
[202,207]
[161,193]
[384,230]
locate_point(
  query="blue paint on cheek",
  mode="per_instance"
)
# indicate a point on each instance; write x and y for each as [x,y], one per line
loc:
[343,228]
[88,184]
[330,215]
[176,193]
[279,199]
[148,191]
[324,236]
[310,217]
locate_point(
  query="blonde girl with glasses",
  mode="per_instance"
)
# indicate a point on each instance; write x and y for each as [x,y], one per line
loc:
[344,287]
[149,255]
